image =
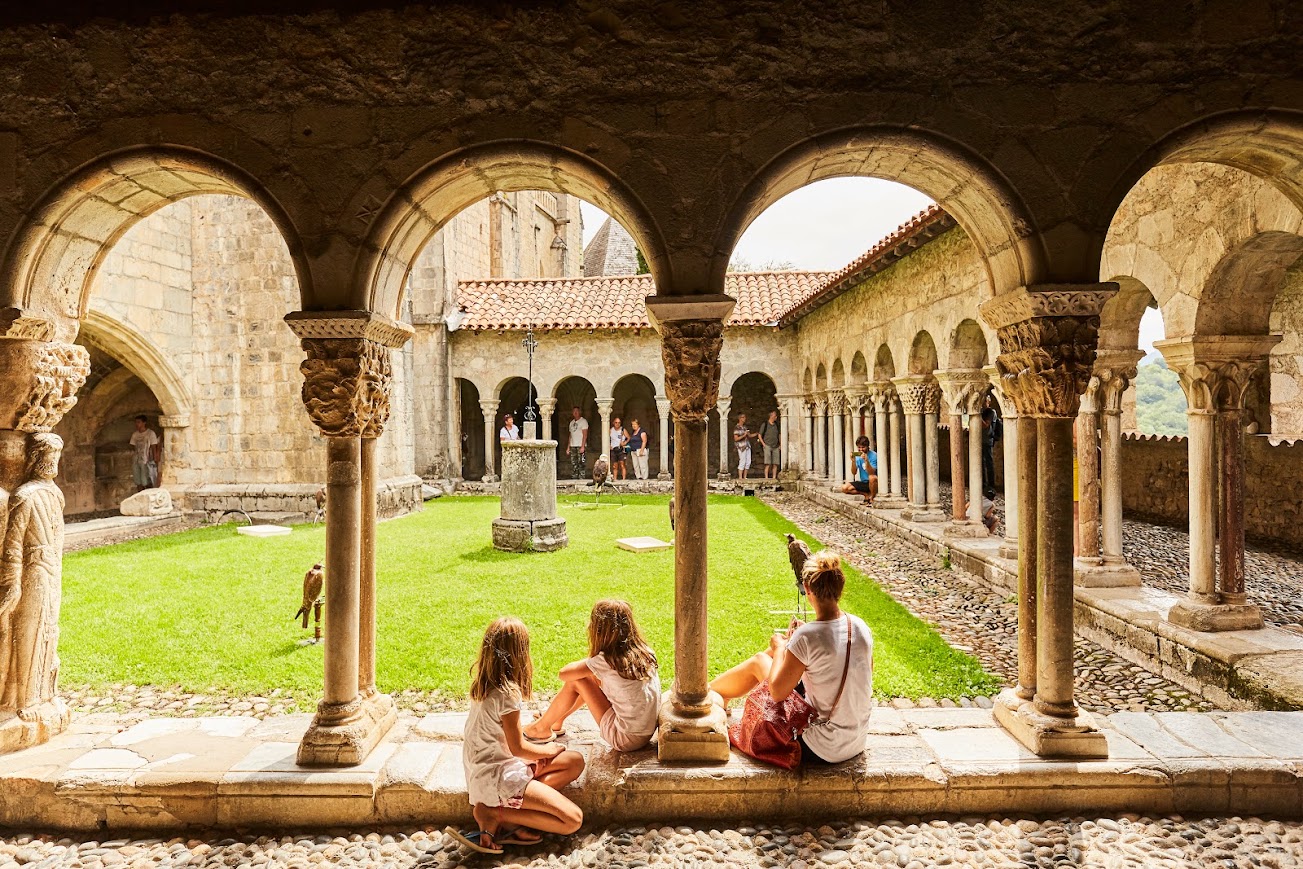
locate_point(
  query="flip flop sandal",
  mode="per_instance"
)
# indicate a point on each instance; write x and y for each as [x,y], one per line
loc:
[475,840]
[521,836]
[537,741]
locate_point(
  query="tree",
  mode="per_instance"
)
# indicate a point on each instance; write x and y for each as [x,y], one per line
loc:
[643,268]
[742,264]
[1160,403]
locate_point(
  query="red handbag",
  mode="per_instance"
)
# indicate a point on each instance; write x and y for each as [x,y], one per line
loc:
[770,730]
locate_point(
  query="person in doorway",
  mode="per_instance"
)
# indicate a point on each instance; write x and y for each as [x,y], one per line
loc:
[864,472]
[637,445]
[147,453]
[742,440]
[619,439]
[578,444]
[769,441]
[509,431]
[812,659]
[990,437]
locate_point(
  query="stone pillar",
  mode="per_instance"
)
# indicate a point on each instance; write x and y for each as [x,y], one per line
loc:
[1215,373]
[963,391]
[1113,371]
[1026,471]
[663,411]
[914,394]
[821,438]
[346,382]
[1086,430]
[1048,337]
[883,396]
[807,437]
[837,438]
[789,415]
[174,447]
[604,406]
[489,407]
[546,407]
[1012,479]
[693,725]
[725,437]
[39,381]
[932,448]
[896,424]
[958,483]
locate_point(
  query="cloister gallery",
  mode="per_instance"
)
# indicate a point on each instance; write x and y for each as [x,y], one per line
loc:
[182,244]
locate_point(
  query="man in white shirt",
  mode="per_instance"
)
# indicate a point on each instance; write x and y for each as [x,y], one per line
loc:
[578,444]
[146,454]
[508,432]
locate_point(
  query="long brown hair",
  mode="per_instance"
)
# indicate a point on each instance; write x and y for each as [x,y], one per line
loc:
[504,657]
[614,634]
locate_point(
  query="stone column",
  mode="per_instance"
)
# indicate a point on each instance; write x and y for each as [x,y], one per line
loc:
[1048,337]
[821,438]
[693,725]
[963,391]
[1012,479]
[894,427]
[346,382]
[663,411]
[1087,454]
[1113,371]
[807,437]
[837,432]
[932,448]
[958,483]
[604,406]
[789,415]
[174,447]
[1215,373]
[546,407]
[882,396]
[725,437]
[913,391]
[39,381]
[489,406]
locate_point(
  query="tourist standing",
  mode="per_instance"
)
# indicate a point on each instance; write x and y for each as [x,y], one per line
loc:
[742,440]
[509,431]
[769,440]
[147,453]
[578,444]
[637,444]
[619,441]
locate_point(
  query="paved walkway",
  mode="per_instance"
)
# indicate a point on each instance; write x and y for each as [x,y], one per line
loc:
[972,617]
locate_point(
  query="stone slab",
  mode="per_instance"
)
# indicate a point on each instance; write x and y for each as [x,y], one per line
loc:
[642,544]
[263,530]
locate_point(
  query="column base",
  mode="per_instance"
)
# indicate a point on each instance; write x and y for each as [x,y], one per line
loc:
[965,528]
[724,477]
[39,726]
[1009,549]
[1211,617]
[1049,737]
[889,502]
[692,738]
[489,478]
[345,735]
[922,514]
[530,535]
[664,475]
[1093,574]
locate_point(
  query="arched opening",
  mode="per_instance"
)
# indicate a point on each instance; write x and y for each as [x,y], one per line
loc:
[515,397]
[470,424]
[838,375]
[634,398]
[1131,322]
[967,346]
[577,392]
[884,367]
[922,354]
[755,395]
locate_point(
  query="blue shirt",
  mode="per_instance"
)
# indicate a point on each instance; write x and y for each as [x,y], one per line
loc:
[862,473]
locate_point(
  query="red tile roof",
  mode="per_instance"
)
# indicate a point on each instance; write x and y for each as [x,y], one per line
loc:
[616,302]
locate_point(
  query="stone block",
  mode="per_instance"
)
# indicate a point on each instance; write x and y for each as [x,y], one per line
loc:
[642,544]
[150,502]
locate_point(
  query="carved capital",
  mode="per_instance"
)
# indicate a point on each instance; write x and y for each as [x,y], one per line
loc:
[1215,372]
[836,402]
[604,406]
[1048,337]
[39,381]
[662,407]
[690,352]
[18,323]
[963,390]
[1115,369]
[545,405]
[346,385]
[932,397]
[489,406]
[883,396]
[915,391]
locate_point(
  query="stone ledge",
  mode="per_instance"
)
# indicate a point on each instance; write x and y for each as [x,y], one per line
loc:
[169,774]
[1236,669]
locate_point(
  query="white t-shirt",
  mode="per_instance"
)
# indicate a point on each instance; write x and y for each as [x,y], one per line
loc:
[821,646]
[617,437]
[577,429]
[634,702]
[493,774]
[143,443]
[508,434]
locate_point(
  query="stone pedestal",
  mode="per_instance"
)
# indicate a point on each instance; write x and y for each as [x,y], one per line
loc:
[692,738]
[1215,616]
[1045,735]
[45,721]
[528,520]
[1094,573]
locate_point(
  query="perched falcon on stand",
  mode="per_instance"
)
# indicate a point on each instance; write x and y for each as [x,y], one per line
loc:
[797,553]
[312,582]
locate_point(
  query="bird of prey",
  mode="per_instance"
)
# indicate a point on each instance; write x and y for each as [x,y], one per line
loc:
[797,553]
[312,582]
[600,470]
[671,512]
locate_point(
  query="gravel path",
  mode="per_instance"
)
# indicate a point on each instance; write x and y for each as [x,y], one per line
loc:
[976,619]
[1128,841]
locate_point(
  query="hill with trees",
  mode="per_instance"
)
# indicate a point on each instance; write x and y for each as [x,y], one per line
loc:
[1160,403]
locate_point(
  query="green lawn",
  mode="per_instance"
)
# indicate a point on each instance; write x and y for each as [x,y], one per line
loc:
[210,610]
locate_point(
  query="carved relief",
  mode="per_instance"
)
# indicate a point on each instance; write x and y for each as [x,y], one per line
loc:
[1113,382]
[346,386]
[690,352]
[914,393]
[31,571]
[1215,386]
[41,382]
[836,402]
[964,391]
[1046,363]
[883,396]
[932,397]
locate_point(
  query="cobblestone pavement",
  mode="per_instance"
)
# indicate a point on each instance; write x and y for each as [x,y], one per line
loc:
[976,619]
[1129,841]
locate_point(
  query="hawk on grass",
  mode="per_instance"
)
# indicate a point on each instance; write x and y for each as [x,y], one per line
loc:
[312,582]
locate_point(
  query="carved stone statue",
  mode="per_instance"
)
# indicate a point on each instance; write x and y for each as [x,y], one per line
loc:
[30,588]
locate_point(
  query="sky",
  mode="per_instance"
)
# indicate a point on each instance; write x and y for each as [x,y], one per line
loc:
[825,225]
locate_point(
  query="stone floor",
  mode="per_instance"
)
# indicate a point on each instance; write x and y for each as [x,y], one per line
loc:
[1127,841]
[974,618]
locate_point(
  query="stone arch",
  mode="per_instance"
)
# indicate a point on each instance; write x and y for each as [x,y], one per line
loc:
[1241,291]
[634,397]
[922,354]
[144,360]
[859,369]
[807,381]
[1119,321]
[959,180]
[50,265]
[413,214]
[838,379]
[571,391]
[755,394]
[967,346]
[821,378]
[884,365]
[471,429]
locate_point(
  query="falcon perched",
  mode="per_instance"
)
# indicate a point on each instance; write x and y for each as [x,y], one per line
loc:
[600,470]
[312,582]
[797,553]
[671,512]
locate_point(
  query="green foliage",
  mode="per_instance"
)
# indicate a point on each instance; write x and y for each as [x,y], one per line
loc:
[208,609]
[643,268]
[1160,403]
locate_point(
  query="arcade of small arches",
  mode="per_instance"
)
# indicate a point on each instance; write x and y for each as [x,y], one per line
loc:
[1038,304]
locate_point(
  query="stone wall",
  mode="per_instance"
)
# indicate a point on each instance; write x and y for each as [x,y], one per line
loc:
[1155,485]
